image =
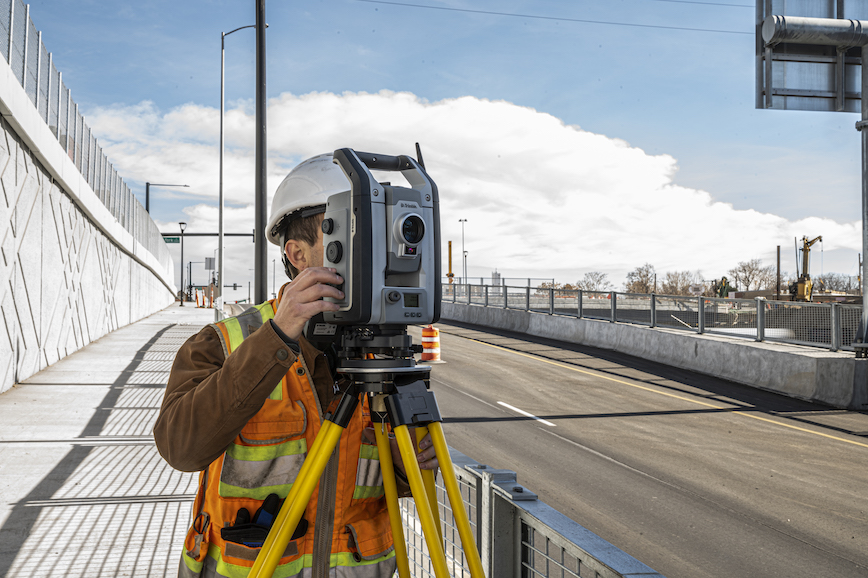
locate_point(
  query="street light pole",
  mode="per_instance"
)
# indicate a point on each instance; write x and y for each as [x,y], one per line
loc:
[148,193]
[183,226]
[463,252]
[261,181]
[223,36]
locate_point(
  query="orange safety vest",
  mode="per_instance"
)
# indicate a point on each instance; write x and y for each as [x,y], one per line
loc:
[348,521]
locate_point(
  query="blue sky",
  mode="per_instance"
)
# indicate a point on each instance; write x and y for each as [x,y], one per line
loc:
[682,97]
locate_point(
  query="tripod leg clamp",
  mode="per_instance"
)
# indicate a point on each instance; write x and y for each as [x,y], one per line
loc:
[412,405]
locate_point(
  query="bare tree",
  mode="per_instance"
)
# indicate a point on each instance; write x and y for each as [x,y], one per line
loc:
[594,281]
[640,279]
[836,282]
[679,282]
[752,276]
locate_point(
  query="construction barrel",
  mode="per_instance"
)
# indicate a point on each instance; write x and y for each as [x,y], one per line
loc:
[430,343]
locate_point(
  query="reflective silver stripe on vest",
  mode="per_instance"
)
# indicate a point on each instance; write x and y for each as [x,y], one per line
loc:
[369,476]
[256,471]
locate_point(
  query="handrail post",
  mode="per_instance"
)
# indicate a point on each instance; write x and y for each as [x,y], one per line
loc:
[835,326]
[467,289]
[527,298]
[760,319]
[551,300]
[653,310]
[505,297]
[614,297]
[579,308]
[700,325]
[486,295]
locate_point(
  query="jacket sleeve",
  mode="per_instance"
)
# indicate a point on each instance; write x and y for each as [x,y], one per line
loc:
[210,397]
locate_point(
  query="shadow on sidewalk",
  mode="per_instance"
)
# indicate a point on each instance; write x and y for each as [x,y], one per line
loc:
[40,559]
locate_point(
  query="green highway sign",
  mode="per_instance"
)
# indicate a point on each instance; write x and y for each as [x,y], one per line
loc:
[172,239]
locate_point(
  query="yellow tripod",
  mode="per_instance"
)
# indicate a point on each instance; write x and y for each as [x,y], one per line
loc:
[398,393]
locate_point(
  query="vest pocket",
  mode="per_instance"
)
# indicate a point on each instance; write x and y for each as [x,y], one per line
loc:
[241,555]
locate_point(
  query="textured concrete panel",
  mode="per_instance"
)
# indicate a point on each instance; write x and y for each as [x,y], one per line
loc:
[63,282]
[835,379]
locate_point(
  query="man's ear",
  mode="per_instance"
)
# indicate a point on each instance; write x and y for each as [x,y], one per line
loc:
[296,253]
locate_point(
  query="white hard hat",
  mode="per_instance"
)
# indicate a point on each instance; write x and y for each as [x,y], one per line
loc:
[307,186]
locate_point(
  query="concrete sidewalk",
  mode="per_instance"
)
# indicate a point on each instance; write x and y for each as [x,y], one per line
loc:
[83,490]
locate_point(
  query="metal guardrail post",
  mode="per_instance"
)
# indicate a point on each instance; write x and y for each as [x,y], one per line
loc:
[454,293]
[700,325]
[579,308]
[760,319]
[467,289]
[11,30]
[653,310]
[835,326]
[499,524]
[27,39]
[505,297]
[551,301]
[486,295]
[614,297]
[527,298]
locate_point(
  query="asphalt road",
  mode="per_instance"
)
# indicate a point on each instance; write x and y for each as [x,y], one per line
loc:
[694,476]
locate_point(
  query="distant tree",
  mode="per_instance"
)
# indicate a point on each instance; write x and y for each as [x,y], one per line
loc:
[549,285]
[836,282]
[594,281]
[679,282]
[640,279]
[752,276]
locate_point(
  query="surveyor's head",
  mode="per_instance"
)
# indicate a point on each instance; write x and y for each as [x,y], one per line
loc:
[297,211]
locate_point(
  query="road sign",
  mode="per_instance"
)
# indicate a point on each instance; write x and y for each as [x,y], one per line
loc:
[209,263]
[172,239]
[806,76]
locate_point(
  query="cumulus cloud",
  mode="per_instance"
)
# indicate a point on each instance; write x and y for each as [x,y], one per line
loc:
[541,198]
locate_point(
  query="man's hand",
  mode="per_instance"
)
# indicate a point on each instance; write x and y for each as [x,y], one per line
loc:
[303,298]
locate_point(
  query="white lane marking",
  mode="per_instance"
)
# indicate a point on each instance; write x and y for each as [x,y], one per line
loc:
[522,412]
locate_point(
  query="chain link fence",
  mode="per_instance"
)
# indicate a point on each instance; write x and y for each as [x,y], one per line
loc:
[33,67]
[832,326]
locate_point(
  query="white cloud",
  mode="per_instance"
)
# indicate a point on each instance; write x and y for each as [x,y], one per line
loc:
[542,198]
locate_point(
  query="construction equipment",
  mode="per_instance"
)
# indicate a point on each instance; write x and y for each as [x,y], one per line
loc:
[802,288]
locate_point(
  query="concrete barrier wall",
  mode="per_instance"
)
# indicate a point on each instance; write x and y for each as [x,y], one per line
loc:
[832,378]
[70,273]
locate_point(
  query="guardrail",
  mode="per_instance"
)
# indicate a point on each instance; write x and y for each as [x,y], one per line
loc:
[21,45]
[832,326]
[517,534]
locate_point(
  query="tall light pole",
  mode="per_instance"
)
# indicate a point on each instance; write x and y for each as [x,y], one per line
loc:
[183,226]
[148,193]
[223,36]
[463,252]
[261,181]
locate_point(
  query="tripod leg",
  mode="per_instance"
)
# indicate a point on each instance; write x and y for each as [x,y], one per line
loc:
[296,502]
[467,542]
[391,487]
[430,485]
[423,509]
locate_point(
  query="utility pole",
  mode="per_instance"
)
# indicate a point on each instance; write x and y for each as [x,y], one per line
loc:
[778,292]
[463,252]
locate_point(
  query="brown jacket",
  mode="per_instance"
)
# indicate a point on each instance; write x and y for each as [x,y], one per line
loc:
[210,398]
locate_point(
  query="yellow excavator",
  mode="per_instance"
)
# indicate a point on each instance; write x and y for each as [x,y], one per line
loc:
[803,288]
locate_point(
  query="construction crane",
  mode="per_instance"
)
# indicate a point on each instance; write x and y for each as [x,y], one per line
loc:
[802,289]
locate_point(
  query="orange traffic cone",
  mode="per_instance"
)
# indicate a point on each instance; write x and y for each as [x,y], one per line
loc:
[430,343]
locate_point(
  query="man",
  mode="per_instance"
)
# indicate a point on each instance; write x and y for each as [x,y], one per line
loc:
[244,402]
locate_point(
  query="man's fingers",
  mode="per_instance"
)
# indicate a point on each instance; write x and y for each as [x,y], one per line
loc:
[313,276]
